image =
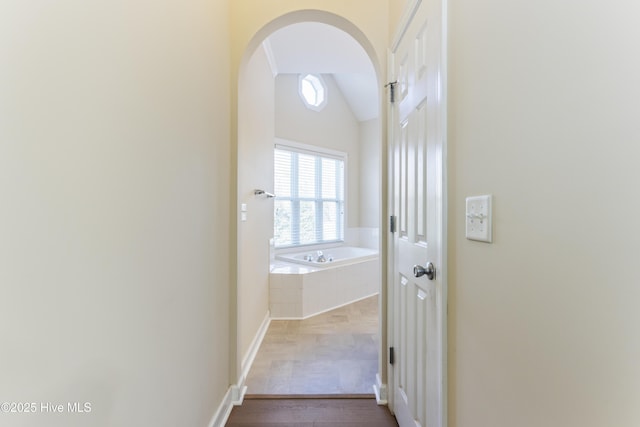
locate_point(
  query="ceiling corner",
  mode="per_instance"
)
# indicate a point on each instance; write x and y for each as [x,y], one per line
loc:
[268,51]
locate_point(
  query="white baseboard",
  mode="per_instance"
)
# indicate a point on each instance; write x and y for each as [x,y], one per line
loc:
[235,394]
[248,359]
[380,390]
[232,398]
[340,305]
[326,310]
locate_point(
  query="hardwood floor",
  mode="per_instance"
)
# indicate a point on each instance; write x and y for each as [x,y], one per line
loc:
[332,353]
[311,413]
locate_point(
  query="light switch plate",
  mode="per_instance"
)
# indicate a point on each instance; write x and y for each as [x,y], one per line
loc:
[479,218]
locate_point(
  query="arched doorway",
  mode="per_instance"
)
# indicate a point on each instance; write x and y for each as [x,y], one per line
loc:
[256,133]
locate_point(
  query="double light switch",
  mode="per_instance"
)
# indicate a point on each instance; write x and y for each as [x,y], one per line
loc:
[479,218]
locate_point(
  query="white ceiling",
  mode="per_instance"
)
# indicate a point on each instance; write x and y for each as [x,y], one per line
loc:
[312,47]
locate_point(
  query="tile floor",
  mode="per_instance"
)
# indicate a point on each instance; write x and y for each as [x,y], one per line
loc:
[332,353]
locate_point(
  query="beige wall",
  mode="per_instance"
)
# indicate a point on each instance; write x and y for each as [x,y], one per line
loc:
[114,181]
[369,161]
[543,106]
[334,127]
[255,171]
[396,10]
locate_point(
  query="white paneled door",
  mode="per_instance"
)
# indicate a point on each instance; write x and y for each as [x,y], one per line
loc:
[418,118]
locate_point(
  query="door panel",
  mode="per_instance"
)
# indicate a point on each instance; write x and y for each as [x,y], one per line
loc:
[417,165]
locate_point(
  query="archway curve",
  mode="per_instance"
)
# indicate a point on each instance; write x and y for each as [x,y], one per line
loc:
[344,24]
[311,15]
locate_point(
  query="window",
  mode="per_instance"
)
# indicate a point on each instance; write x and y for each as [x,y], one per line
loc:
[313,91]
[309,207]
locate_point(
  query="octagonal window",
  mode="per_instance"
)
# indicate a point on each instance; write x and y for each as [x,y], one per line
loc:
[313,91]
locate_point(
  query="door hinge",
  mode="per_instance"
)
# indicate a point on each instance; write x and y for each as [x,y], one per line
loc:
[392,358]
[392,91]
[392,223]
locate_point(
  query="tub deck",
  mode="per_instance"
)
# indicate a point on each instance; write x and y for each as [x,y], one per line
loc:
[334,256]
[299,291]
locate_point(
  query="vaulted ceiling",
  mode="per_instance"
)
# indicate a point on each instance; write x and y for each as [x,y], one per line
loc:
[313,47]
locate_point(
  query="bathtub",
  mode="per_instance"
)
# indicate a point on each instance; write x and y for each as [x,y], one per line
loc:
[299,288]
[334,256]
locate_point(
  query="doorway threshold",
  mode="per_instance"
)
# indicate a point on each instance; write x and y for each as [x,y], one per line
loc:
[310,396]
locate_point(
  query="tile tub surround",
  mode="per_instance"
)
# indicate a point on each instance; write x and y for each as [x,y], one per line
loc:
[298,291]
[333,353]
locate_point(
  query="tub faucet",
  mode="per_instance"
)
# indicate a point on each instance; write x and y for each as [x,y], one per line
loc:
[321,257]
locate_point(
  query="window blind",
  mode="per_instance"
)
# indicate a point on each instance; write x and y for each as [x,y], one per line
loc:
[309,207]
